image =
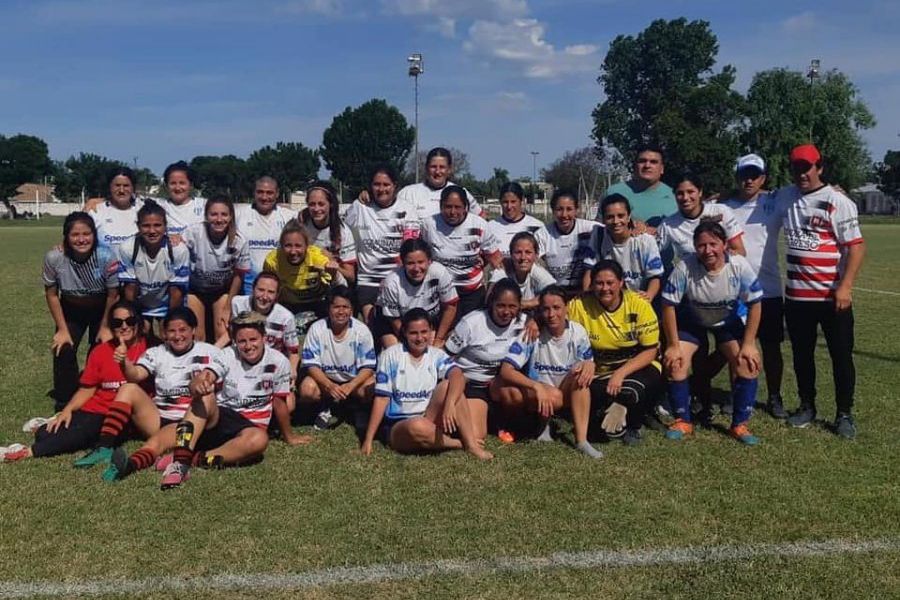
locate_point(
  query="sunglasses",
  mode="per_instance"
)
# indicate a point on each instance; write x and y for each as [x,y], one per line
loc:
[115,323]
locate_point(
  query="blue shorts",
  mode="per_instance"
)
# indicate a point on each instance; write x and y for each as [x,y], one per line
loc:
[732,330]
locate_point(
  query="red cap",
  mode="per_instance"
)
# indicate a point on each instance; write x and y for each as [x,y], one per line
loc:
[807,153]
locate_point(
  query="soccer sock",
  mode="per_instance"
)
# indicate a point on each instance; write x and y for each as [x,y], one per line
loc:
[183,455]
[586,448]
[743,396]
[113,423]
[680,397]
[141,459]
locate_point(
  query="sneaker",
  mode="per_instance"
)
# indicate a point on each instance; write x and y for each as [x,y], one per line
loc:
[97,456]
[34,423]
[776,407]
[679,430]
[845,427]
[324,420]
[175,474]
[163,462]
[213,462]
[14,452]
[506,436]
[632,437]
[802,417]
[118,466]
[743,435]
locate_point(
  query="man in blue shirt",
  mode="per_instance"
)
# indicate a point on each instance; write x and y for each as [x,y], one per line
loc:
[651,199]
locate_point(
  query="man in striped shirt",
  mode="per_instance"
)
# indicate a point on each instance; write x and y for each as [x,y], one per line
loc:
[825,250]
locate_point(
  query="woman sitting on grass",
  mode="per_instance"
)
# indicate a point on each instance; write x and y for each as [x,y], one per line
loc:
[552,371]
[419,402]
[712,292]
[78,425]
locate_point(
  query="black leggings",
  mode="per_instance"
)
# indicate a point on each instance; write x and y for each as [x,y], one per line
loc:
[82,433]
[79,320]
[638,392]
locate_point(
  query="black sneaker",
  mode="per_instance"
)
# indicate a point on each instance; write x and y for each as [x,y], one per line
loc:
[845,427]
[776,407]
[802,417]
[324,420]
[632,437]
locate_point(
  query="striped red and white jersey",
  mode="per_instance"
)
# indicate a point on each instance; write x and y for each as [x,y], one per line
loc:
[172,374]
[249,389]
[461,248]
[818,229]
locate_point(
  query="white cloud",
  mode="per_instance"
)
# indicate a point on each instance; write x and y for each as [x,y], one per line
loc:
[802,23]
[458,9]
[521,43]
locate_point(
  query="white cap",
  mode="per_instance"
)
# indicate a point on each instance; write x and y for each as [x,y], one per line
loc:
[750,160]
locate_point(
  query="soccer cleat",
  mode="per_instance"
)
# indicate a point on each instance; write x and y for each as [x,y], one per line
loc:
[743,435]
[632,437]
[802,417]
[14,452]
[845,427]
[97,456]
[175,474]
[506,436]
[163,462]
[324,420]
[34,423]
[213,462]
[679,430]
[776,407]
[118,466]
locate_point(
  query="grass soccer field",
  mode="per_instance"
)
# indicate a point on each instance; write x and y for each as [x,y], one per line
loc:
[802,515]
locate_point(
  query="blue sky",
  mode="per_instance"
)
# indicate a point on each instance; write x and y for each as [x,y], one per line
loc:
[168,80]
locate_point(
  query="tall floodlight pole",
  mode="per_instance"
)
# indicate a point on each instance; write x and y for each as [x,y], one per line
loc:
[534,155]
[416,68]
[813,74]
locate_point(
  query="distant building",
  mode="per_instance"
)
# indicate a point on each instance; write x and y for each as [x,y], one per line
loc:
[31,192]
[872,201]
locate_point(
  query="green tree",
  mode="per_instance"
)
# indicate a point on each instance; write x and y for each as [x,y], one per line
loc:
[499,178]
[23,159]
[223,175]
[579,171]
[292,164]
[461,165]
[88,172]
[888,173]
[785,110]
[661,89]
[359,138]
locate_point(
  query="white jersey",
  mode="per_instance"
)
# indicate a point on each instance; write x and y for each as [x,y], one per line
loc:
[340,360]
[214,266]
[281,328]
[115,225]
[153,276]
[505,230]
[249,389]
[172,375]
[564,253]
[761,219]
[379,234]
[409,383]
[92,277]
[180,216]
[711,299]
[322,238]
[638,256]
[479,344]
[549,359]
[262,233]
[460,248]
[427,200]
[537,279]
[398,294]
[677,231]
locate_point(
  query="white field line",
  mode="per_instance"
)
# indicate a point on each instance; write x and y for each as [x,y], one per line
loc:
[871,291]
[381,573]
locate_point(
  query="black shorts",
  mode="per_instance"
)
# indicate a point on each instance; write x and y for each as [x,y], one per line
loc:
[478,390]
[384,430]
[380,325]
[82,433]
[366,294]
[207,297]
[230,424]
[771,323]
[469,302]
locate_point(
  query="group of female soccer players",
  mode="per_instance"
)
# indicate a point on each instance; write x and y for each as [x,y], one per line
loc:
[409,315]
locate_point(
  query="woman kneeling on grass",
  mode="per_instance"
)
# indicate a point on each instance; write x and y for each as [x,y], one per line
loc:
[553,371]
[339,359]
[79,424]
[710,292]
[624,335]
[229,414]
[171,366]
[419,402]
